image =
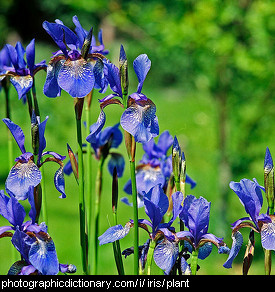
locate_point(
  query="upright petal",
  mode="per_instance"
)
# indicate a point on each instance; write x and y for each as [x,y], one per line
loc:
[17,134]
[30,55]
[76,77]
[56,32]
[142,65]
[140,120]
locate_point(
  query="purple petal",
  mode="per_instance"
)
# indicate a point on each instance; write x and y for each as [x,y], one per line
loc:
[59,182]
[142,65]
[42,140]
[76,77]
[116,161]
[205,250]
[42,255]
[114,233]
[30,55]
[268,235]
[51,87]
[63,268]
[140,120]
[20,55]
[22,176]
[236,246]
[113,77]
[22,84]
[17,134]
[96,128]
[268,162]
[56,32]
[165,255]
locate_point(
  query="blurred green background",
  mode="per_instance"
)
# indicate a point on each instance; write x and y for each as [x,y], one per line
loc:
[212,80]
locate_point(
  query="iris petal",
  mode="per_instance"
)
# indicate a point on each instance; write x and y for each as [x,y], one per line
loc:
[165,255]
[59,182]
[76,77]
[114,233]
[236,245]
[42,255]
[51,87]
[22,176]
[22,84]
[140,120]
[268,236]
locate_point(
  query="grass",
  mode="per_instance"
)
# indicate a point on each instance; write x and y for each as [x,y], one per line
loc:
[192,117]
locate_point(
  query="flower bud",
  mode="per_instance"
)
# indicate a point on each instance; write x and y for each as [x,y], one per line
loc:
[269,180]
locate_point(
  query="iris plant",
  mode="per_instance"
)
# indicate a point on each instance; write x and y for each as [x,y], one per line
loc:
[154,168]
[77,68]
[36,247]
[250,195]
[25,174]
[22,72]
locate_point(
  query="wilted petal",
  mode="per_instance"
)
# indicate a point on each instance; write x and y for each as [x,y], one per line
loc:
[22,84]
[114,233]
[236,246]
[76,77]
[22,176]
[42,255]
[165,255]
[140,120]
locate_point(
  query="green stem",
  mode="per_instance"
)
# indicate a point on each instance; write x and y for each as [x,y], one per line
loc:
[150,256]
[135,209]
[97,213]
[82,213]
[44,201]
[194,261]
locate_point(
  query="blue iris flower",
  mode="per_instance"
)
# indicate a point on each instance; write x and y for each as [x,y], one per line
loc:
[154,168]
[36,247]
[250,195]
[73,68]
[25,173]
[156,205]
[21,72]
[110,137]
[139,118]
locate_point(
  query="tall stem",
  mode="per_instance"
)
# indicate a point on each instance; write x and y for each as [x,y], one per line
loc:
[82,212]
[194,261]
[135,207]
[97,212]
[150,256]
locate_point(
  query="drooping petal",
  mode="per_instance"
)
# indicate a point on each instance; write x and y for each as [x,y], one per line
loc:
[185,268]
[11,209]
[67,268]
[116,161]
[236,246]
[114,233]
[42,255]
[51,87]
[59,182]
[76,77]
[114,79]
[112,133]
[142,65]
[22,176]
[16,268]
[205,251]
[22,84]
[268,235]
[165,255]
[140,120]
[96,128]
